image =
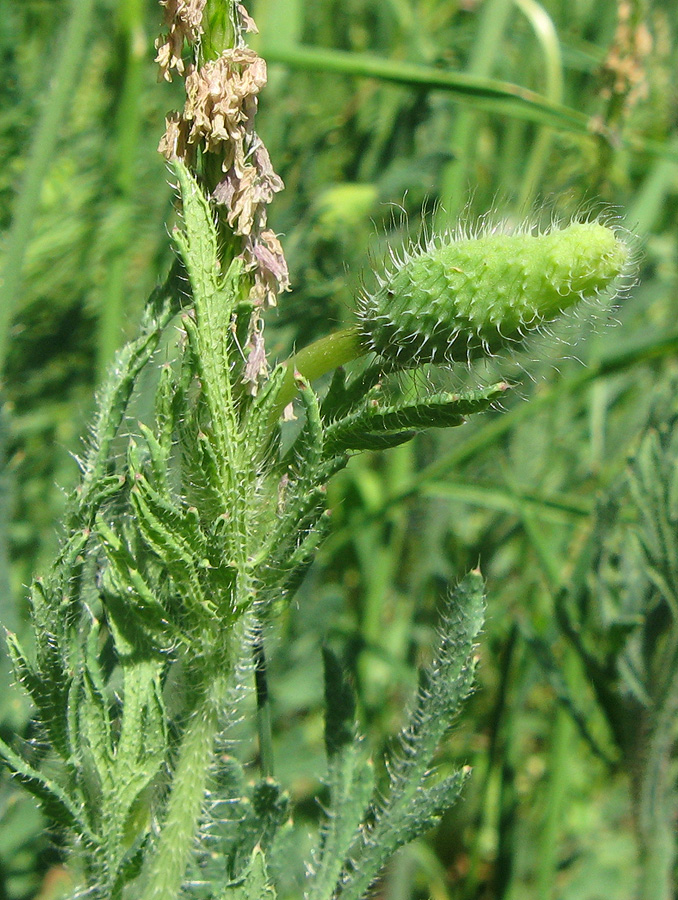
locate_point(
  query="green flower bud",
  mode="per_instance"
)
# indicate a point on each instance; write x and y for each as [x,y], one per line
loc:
[460,299]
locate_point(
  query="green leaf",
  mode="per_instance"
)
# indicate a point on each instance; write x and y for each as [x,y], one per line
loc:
[129,595]
[650,481]
[356,438]
[340,726]
[55,801]
[94,724]
[293,539]
[254,884]
[168,403]
[343,396]
[350,782]
[113,400]
[414,803]
[375,426]
[142,744]
[308,448]
[203,480]
[24,671]
[256,424]
[269,809]
[54,676]
[159,452]
[177,544]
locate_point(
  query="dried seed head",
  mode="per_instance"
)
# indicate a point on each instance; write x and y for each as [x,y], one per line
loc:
[459,299]
[624,70]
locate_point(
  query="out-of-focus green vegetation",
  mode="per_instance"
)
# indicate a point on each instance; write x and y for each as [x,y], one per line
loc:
[383,117]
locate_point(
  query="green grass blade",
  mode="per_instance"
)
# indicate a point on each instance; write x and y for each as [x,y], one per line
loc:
[128,121]
[547,36]
[55,109]
[491,95]
[485,93]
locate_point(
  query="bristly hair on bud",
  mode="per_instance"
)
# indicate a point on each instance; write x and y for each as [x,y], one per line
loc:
[470,294]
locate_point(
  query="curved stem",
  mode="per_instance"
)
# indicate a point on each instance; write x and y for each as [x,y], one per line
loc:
[547,36]
[317,359]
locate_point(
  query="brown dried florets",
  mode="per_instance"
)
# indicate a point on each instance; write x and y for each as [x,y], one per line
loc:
[256,367]
[222,96]
[269,267]
[219,114]
[184,19]
[247,23]
[173,142]
[248,185]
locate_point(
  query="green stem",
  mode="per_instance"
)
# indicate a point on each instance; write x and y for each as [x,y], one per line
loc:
[219,32]
[166,868]
[54,111]
[317,359]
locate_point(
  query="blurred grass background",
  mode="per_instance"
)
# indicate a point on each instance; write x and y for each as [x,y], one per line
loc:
[383,117]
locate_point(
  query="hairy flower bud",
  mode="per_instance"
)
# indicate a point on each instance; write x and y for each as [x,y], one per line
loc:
[457,300]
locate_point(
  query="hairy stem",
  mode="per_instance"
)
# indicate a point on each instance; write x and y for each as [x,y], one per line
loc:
[166,868]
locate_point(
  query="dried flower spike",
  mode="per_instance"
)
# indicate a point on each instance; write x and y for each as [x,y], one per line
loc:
[217,124]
